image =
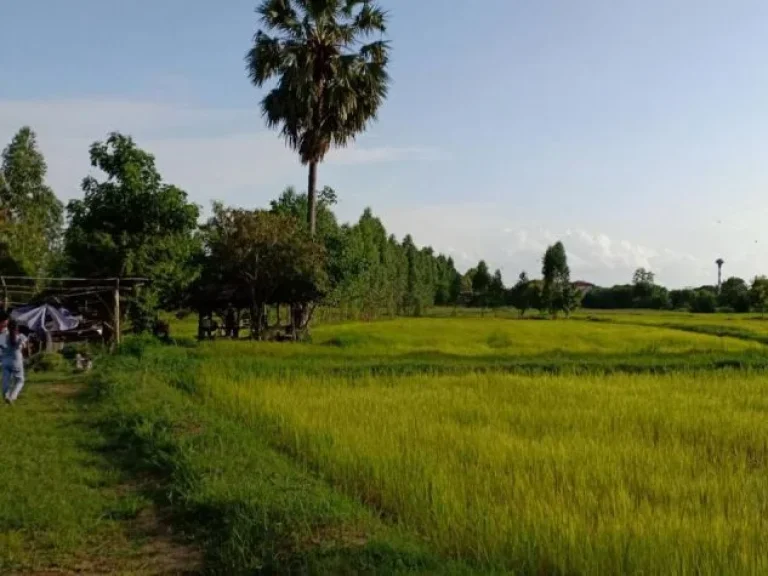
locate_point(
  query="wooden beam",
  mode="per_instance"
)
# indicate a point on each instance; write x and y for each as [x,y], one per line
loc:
[104,280]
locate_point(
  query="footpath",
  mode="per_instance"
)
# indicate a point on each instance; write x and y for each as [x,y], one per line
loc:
[67,505]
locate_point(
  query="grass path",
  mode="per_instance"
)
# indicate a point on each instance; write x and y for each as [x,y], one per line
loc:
[65,505]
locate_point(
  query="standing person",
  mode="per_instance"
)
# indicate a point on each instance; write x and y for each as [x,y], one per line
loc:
[13,342]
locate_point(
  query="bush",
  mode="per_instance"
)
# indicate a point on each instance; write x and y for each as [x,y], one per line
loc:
[48,362]
[704,302]
[70,351]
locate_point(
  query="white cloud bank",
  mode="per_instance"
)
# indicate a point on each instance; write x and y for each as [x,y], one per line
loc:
[469,232]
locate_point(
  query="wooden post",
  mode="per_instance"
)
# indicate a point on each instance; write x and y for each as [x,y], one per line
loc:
[5,294]
[117,311]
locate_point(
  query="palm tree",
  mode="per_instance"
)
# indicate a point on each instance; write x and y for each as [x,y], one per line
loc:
[329,61]
[719,263]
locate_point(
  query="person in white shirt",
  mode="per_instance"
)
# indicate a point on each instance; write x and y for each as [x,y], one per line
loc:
[12,344]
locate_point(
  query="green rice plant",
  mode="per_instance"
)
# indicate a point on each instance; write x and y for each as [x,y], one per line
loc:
[463,444]
[618,474]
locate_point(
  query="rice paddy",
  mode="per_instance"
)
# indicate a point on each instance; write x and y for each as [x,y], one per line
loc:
[462,445]
[439,428]
[579,474]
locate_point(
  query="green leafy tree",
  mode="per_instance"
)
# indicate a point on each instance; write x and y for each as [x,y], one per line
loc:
[557,280]
[682,299]
[734,294]
[481,282]
[271,256]
[538,300]
[643,276]
[132,224]
[571,299]
[329,61]
[643,282]
[659,299]
[704,302]
[294,204]
[758,294]
[496,290]
[329,233]
[32,215]
[444,280]
[522,296]
[412,302]
[456,289]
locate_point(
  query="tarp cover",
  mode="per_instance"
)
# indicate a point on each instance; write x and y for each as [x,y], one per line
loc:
[45,318]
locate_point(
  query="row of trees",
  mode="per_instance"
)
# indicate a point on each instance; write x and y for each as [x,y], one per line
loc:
[553,294]
[130,222]
[735,294]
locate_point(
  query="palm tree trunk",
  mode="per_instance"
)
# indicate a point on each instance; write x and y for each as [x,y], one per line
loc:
[312,198]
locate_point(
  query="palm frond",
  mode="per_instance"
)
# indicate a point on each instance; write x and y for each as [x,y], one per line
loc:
[280,16]
[265,59]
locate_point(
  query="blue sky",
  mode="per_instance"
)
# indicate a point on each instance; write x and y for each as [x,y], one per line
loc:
[636,132]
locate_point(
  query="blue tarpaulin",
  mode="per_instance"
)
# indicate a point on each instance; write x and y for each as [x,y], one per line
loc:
[45,318]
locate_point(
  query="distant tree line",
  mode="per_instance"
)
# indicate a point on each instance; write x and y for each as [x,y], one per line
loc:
[130,222]
[734,295]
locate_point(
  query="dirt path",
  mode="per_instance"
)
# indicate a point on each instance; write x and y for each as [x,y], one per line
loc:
[116,530]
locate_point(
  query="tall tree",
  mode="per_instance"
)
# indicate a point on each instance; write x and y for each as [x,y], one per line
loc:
[329,60]
[496,290]
[294,204]
[643,276]
[455,284]
[734,293]
[643,288]
[131,223]
[556,292]
[520,294]
[32,215]
[481,282]
[758,294]
[270,255]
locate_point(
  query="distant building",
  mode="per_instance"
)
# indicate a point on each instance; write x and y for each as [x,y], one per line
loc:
[583,287]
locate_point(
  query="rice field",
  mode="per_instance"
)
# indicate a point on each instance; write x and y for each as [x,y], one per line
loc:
[493,336]
[574,473]
[632,448]
[619,474]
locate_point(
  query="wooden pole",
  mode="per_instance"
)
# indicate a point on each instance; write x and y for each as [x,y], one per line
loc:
[5,294]
[117,311]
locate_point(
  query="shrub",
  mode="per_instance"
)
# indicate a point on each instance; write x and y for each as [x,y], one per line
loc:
[48,362]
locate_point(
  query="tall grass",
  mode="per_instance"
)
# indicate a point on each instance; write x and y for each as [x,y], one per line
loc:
[619,474]
[570,447]
[251,508]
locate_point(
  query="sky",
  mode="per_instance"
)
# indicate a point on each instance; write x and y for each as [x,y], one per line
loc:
[635,132]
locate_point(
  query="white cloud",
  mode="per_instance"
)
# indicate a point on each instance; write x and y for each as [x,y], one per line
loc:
[211,153]
[513,246]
